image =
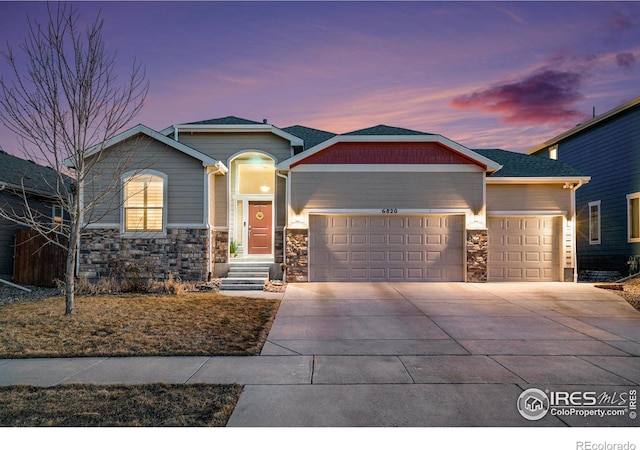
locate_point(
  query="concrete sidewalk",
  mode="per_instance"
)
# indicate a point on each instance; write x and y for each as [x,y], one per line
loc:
[403,354]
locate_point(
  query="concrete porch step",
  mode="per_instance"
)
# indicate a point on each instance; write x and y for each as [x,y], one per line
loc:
[245,277]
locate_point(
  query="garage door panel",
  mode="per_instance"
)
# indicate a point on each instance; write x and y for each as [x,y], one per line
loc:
[524,249]
[412,248]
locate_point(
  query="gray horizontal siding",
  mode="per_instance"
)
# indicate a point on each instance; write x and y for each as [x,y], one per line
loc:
[361,190]
[185,180]
[528,197]
[223,146]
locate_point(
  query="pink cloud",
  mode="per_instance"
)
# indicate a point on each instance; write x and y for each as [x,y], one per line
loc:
[546,96]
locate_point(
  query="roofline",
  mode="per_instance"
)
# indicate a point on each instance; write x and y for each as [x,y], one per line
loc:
[487,163]
[577,129]
[538,180]
[4,186]
[142,129]
[244,128]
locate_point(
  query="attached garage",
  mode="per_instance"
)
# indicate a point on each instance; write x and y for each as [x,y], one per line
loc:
[524,249]
[386,248]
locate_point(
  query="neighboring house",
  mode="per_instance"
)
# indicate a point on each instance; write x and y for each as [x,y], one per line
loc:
[382,203]
[608,208]
[17,177]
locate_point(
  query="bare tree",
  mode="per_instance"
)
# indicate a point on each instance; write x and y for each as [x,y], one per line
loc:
[64,102]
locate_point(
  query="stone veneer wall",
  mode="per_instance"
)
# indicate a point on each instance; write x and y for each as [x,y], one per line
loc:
[477,255]
[297,255]
[221,246]
[182,252]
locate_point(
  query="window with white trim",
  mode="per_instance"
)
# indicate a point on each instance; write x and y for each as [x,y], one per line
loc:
[594,222]
[144,202]
[553,152]
[633,217]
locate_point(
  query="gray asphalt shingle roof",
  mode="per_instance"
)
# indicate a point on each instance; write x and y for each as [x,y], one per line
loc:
[385,130]
[228,120]
[521,165]
[310,136]
[16,171]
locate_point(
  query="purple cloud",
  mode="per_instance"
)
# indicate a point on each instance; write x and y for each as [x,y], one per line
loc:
[626,60]
[546,96]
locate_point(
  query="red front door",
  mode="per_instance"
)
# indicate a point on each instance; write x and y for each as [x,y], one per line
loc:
[260,228]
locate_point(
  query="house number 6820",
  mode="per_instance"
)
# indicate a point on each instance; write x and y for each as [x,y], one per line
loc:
[389,211]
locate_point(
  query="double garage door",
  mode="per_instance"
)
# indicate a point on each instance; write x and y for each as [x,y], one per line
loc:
[386,248]
[429,248]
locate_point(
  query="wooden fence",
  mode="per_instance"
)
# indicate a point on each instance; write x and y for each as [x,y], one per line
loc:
[37,262]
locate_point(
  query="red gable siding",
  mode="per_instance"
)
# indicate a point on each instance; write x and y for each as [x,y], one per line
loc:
[387,153]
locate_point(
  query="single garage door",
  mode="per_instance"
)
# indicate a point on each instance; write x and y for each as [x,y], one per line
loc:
[524,249]
[386,248]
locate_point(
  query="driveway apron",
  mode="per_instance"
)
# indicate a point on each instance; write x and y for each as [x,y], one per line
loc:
[443,354]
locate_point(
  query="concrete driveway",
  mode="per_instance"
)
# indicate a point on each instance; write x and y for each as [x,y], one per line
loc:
[407,354]
[451,354]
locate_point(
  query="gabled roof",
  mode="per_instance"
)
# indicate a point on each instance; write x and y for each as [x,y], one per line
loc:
[584,126]
[144,130]
[385,130]
[518,165]
[16,173]
[391,134]
[229,120]
[310,136]
[230,124]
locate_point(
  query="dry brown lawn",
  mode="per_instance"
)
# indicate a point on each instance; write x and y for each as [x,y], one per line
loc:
[150,405]
[140,325]
[127,325]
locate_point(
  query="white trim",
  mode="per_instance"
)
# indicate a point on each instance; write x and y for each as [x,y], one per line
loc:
[198,226]
[537,180]
[527,213]
[98,226]
[633,196]
[444,168]
[599,237]
[491,165]
[378,212]
[165,199]
[142,129]
[240,128]
[144,234]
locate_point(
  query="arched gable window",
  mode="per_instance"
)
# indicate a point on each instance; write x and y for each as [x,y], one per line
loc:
[144,204]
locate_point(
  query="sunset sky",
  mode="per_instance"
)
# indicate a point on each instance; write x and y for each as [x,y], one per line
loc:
[485,74]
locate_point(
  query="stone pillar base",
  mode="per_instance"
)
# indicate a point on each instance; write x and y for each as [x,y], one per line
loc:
[297,255]
[477,255]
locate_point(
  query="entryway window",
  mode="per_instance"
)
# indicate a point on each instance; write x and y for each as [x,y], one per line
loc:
[144,202]
[594,222]
[633,214]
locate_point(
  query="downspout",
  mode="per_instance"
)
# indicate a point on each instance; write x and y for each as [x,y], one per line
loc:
[574,238]
[219,169]
[286,217]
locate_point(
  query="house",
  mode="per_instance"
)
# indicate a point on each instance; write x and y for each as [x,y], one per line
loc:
[381,203]
[608,212]
[17,178]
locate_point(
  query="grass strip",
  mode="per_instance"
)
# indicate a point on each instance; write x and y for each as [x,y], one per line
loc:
[88,405]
